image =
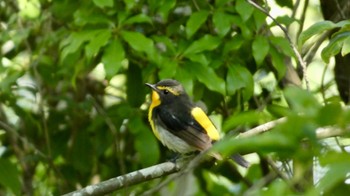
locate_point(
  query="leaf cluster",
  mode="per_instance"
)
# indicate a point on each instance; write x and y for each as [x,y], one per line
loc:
[73,105]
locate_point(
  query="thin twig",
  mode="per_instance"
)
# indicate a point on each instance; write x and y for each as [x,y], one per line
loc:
[285,31]
[262,128]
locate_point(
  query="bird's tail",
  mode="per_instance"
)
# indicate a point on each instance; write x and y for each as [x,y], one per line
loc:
[240,160]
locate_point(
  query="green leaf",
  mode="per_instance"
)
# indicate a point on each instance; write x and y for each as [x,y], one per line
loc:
[103,3]
[208,42]
[316,28]
[135,90]
[195,22]
[239,78]
[336,173]
[81,160]
[277,187]
[260,19]
[287,3]
[199,58]
[183,76]
[112,58]
[233,44]
[244,9]
[75,41]
[260,49]
[286,20]
[222,22]
[140,18]
[129,4]
[270,142]
[170,45]
[168,69]
[10,79]
[278,62]
[330,114]
[9,176]
[207,76]
[29,9]
[282,44]
[139,42]
[165,8]
[220,3]
[302,101]
[346,47]
[334,46]
[88,16]
[243,118]
[100,39]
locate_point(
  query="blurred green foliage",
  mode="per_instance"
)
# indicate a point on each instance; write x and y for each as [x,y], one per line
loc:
[73,105]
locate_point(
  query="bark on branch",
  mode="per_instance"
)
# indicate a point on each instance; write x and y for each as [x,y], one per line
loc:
[167,168]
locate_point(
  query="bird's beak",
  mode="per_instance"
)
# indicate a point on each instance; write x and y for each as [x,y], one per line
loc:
[152,86]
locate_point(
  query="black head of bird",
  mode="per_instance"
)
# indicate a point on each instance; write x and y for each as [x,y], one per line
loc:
[167,91]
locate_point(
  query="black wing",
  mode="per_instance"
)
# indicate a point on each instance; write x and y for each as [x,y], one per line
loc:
[179,122]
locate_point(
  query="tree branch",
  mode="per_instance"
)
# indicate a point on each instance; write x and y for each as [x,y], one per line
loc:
[184,165]
[129,179]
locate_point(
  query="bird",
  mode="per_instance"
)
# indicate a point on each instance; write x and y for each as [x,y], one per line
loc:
[178,123]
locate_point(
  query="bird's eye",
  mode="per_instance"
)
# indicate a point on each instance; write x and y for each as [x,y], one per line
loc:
[165,92]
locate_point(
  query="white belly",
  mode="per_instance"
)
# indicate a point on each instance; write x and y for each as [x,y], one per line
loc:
[173,142]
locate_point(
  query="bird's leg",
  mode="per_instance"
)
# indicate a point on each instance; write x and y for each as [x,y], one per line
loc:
[175,157]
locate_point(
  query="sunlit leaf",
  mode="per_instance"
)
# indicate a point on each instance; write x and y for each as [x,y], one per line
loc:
[86,16]
[168,69]
[315,29]
[244,9]
[112,58]
[139,42]
[278,62]
[239,78]
[208,42]
[104,3]
[165,8]
[260,49]
[335,174]
[195,22]
[334,46]
[302,101]
[285,20]
[287,3]
[260,19]
[206,75]
[100,39]
[282,44]
[222,22]
[185,78]
[346,47]
[268,142]
[220,3]
[129,4]
[330,114]
[140,18]
[76,39]
[244,118]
